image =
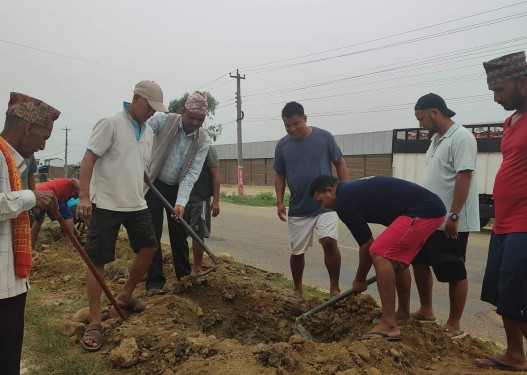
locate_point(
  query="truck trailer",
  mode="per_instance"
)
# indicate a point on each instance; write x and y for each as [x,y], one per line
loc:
[409,148]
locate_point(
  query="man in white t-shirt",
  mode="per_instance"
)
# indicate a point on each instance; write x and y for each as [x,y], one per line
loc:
[111,195]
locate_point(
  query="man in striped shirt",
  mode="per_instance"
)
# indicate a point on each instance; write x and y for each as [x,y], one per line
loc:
[179,150]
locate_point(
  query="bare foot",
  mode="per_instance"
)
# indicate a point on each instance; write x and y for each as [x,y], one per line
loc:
[295,294]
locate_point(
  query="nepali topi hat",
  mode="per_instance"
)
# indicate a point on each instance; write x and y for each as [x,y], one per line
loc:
[506,67]
[32,110]
[197,103]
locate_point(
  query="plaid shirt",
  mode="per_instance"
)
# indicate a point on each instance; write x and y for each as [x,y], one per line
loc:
[11,205]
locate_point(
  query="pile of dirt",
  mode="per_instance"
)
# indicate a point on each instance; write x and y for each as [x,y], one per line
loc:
[237,321]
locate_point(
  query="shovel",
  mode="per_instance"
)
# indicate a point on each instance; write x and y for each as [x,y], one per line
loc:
[297,326]
[87,260]
[189,229]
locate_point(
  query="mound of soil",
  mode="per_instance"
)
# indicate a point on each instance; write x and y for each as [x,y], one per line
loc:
[236,320]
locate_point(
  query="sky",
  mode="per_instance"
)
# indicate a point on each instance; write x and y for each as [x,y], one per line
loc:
[355,66]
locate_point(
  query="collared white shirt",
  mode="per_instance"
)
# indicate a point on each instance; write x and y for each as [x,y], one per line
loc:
[12,203]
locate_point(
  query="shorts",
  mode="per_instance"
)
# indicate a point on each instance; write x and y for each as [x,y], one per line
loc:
[104,228]
[404,237]
[505,281]
[301,230]
[63,209]
[445,255]
[198,216]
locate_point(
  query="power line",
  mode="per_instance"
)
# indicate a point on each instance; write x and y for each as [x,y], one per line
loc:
[438,59]
[89,61]
[214,80]
[397,88]
[387,37]
[395,44]
[417,62]
[393,107]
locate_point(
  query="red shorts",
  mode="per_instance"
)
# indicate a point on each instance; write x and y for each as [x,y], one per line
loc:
[404,237]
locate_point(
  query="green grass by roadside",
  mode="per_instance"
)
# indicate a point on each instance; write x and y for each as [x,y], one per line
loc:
[46,350]
[262,199]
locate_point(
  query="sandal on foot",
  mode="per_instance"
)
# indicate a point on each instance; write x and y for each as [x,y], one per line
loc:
[491,362]
[453,335]
[422,318]
[380,336]
[93,332]
[134,306]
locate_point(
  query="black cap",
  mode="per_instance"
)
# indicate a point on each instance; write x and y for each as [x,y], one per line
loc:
[434,101]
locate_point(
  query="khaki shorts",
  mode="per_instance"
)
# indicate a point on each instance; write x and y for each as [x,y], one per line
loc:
[301,230]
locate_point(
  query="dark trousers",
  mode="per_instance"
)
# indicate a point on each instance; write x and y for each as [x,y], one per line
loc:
[176,232]
[11,333]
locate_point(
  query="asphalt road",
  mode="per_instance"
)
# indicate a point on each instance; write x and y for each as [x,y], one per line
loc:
[256,236]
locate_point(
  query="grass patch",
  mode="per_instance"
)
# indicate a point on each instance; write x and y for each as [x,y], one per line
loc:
[266,199]
[46,350]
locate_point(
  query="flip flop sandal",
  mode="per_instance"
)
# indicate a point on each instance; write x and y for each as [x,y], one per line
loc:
[422,318]
[495,363]
[453,335]
[93,332]
[380,336]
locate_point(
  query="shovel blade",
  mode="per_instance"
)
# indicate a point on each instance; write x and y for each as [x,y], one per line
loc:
[298,327]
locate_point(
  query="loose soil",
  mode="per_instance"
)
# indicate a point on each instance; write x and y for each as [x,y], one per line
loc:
[237,320]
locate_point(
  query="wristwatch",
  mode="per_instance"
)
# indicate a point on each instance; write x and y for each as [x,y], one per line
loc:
[454,217]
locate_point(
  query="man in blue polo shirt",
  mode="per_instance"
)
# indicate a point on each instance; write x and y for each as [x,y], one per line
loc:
[411,214]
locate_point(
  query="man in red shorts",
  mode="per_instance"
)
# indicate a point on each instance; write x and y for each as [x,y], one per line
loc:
[505,281]
[411,214]
[64,189]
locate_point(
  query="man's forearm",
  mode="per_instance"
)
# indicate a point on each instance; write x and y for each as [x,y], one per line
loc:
[86,173]
[364,261]
[461,190]
[342,170]
[215,173]
[279,186]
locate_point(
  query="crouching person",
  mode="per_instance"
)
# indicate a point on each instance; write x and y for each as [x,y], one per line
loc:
[64,189]
[411,214]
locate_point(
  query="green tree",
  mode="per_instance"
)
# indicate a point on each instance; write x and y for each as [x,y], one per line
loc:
[177,106]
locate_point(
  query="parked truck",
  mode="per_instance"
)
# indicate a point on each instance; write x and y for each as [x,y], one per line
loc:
[409,148]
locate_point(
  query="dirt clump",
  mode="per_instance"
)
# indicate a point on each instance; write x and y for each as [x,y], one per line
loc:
[238,320]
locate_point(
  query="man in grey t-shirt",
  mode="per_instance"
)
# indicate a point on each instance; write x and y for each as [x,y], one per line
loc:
[302,155]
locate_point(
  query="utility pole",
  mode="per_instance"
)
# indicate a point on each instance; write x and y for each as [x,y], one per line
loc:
[239,119]
[66,153]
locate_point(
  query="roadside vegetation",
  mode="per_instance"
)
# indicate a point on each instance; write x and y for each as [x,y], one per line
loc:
[47,351]
[262,199]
